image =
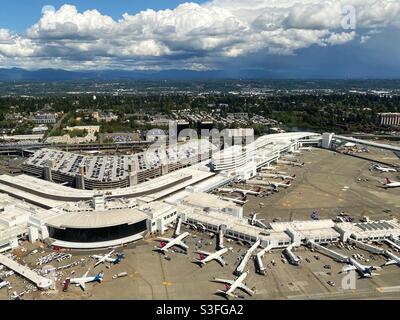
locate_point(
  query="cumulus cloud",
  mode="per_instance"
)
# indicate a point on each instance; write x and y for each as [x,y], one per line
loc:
[191,35]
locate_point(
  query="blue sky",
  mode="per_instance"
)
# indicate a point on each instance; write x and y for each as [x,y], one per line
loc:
[277,38]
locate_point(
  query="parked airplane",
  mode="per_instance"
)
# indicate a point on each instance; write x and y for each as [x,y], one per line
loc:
[278,176]
[3,283]
[364,271]
[391,184]
[383,169]
[108,258]
[293,163]
[273,184]
[237,201]
[167,243]
[257,222]
[208,256]
[242,191]
[280,184]
[393,259]
[268,168]
[231,285]
[81,282]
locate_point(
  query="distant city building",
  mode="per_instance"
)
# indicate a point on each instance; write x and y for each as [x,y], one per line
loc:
[6,130]
[106,117]
[40,129]
[45,118]
[237,116]
[160,122]
[13,116]
[389,119]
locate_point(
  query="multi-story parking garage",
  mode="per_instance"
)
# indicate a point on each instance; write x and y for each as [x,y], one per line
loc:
[109,172]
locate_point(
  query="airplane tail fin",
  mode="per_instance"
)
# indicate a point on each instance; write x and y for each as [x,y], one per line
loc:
[388,181]
[226,293]
[119,258]
[99,277]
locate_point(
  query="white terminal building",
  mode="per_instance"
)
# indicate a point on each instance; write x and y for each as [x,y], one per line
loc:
[34,206]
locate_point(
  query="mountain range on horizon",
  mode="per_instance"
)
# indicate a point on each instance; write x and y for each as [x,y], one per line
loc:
[19,74]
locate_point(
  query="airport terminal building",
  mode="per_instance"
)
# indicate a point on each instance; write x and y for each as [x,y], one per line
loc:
[110,204]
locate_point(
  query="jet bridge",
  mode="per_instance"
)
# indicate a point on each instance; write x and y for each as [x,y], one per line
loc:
[366,246]
[177,231]
[39,281]
[395,240]
[367,143]
[376,250]
[260,264]
[392,244]
[292,258]
[220,238]
[240,268]
[330,253]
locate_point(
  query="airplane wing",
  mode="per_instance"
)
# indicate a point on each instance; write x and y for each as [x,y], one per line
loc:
[101,260]
[82,285]
[85,275]
[205,253]
[230,282]
[181,244]
[164,239]
[246,289]
[348,268]
[97,257]
[110,259]
[109,254]
[220,261]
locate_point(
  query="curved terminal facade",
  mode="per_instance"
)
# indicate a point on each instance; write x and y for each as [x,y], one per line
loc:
[229,159]
[94,235]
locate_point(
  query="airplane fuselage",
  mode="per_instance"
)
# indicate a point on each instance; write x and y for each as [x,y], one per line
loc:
[174,242]
[365,271]
[237,282]
[214,255]
[4,284]
[392,185]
